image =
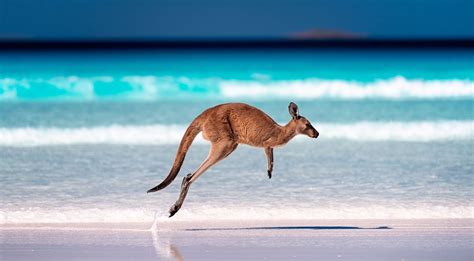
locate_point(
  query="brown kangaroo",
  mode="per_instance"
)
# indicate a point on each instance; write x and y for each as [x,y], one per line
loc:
[226,126]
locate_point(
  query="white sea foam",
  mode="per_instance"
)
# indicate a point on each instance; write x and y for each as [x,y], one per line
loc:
[149,87]
[395,88]
[153,134]
[92,215]
[399,131]
[172,134]
[82,87]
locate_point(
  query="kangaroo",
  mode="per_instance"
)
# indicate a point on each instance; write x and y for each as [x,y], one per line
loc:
[226,126]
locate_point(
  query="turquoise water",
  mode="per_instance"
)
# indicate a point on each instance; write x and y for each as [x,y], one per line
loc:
[226,75]
[83,135]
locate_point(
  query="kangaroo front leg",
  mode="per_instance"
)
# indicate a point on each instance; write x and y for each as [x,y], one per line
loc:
[218,152]
[269,153]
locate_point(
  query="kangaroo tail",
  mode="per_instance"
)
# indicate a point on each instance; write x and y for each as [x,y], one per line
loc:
[191,132]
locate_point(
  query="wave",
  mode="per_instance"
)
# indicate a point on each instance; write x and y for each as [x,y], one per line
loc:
[128,215]
[261,88]
[308,89]
[153,134]
[172,134]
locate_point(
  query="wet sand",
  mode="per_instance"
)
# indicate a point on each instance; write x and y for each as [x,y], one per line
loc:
[438,239]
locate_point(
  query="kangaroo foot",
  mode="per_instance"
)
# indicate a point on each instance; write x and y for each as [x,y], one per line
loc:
[174,209]
[184,190]
[269,174]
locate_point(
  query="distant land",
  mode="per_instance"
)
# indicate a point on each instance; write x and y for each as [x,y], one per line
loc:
[324,34]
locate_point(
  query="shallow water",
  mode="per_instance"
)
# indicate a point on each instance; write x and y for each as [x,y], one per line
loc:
[312,180]
[83,136]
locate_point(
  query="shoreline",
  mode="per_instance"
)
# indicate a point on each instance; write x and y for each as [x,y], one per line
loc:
[179,224]
[428,239]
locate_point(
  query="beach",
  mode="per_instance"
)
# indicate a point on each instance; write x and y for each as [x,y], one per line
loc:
[83,136]
[250,240]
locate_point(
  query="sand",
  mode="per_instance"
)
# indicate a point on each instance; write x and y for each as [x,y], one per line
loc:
[437,239]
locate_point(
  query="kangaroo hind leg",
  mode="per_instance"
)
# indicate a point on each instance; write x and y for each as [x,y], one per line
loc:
[219,150]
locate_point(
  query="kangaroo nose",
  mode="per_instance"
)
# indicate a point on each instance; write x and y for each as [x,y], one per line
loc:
[316,135]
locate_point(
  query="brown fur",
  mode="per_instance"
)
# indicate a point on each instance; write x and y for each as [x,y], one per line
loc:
[228,125]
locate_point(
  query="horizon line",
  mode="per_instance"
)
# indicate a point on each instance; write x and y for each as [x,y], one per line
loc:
[219,43]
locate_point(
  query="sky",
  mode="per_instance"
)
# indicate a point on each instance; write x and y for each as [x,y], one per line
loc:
[235,19]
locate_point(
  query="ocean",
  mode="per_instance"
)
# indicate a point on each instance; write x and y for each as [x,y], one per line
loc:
[84,135]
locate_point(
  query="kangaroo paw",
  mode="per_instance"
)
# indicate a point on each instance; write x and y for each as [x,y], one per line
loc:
[269,174]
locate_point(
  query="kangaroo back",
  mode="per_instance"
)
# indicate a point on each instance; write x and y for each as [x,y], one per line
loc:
[191,132]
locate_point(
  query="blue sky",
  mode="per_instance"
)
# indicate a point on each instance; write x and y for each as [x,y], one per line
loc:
[165,19]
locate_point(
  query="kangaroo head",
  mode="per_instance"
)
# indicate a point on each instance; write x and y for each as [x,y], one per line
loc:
[303,126]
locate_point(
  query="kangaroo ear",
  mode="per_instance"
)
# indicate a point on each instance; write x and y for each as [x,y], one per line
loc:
[293,109]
